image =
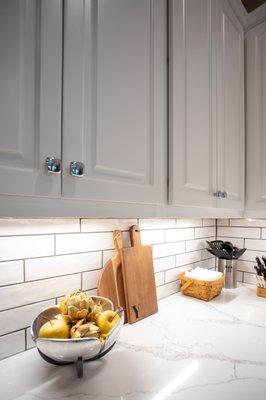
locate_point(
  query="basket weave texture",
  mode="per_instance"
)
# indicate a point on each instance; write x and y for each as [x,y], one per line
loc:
[261,291]
[204,290]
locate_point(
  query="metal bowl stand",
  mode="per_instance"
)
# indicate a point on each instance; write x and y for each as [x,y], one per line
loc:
[79,362]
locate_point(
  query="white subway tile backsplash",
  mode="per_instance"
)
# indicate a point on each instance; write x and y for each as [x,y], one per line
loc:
[205,232]
[249,278]
[106,225]
[90,280]
[11,272]
[152,237]
[22,317]
[248,222]
[159,278]
[209,222]
[223,222]
[240,276]
[255,244]
[164,223]
[12,344]
[48,267]
[167,289]
[246,266]
[18,247]
[107,254]
[250,255]
[188,258]
[30,292]
[208,263]
[205,254]
[29,342]
[188,223]
[168,249]
[83,242]
[235,232]
[174,235]
[91,292]
[13,226]
[164,263]
[197,244]
[172,274]
[263,234]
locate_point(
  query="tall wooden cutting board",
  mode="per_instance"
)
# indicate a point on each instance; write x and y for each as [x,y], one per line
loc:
[110,284]
[139,280]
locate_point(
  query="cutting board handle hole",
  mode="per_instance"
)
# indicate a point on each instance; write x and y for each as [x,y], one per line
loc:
[136,311]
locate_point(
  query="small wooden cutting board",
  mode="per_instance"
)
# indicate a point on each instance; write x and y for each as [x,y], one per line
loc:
[110,283]
[139,280]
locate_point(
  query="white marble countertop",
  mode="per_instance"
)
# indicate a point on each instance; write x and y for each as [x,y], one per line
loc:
[189,350]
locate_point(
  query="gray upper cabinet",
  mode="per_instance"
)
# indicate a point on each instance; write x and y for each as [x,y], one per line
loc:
[87,82]
[256,121]
[30,95]
[230,108]
[192,136]
[114,100]
[206,149]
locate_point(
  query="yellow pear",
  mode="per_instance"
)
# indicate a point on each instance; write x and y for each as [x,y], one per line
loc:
[107,320]
[55,328]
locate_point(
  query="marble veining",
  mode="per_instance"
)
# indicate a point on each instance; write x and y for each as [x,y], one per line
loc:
[189,350]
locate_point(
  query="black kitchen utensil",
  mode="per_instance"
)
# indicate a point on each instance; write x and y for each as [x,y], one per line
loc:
[226,250]
[229,248]
[230,244]
[260,265]
[221,253]
[238,252]
[212,251]
[264,260]
[215,244]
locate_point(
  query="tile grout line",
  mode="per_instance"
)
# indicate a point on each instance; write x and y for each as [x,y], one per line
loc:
[26,344]
[24,272]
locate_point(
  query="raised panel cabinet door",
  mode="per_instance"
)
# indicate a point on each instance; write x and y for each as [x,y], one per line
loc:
[256,119]
[114,101]
[192,168]
[30,95]
[230,108]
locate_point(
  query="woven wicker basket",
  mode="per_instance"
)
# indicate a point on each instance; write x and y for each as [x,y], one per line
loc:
[261,291]
[204,290]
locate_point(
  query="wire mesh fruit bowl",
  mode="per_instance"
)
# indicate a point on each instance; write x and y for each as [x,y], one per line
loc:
[66,351]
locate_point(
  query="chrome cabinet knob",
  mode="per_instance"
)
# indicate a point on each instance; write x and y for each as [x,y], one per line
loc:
[218,193]
[53,165]
[224,195]
[77,169]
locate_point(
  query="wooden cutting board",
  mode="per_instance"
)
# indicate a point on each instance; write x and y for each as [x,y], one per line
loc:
[139,280]
[110,283]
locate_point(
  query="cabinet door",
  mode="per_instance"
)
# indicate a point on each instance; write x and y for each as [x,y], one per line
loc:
[256,119]
[192,141]
[114,116]
[30,95]
[230,107]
